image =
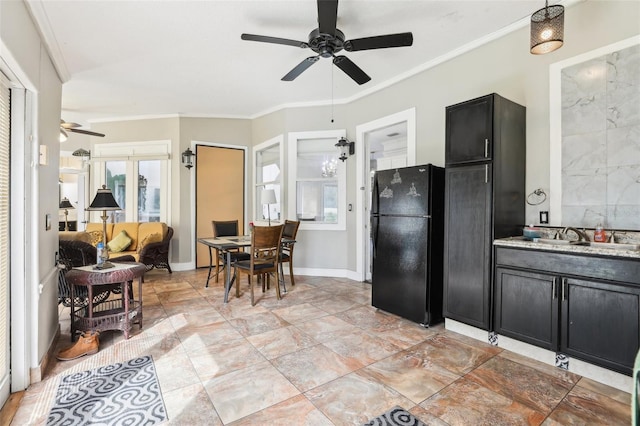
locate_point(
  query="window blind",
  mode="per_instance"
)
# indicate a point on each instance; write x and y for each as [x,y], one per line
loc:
[5,171]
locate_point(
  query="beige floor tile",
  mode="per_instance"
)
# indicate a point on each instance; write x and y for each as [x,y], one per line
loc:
[354,399]
[246,391]
[314,366]
[281,341]
[220,363]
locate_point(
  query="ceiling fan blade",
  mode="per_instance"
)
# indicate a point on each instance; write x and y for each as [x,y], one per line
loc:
[86,132]
[274,40]
[300,68]
[379,42]
[327,16]
[351,69]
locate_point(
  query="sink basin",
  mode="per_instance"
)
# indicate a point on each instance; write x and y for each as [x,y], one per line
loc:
[616,246]
[559,242]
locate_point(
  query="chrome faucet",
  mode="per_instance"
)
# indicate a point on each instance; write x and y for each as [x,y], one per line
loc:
[582,235]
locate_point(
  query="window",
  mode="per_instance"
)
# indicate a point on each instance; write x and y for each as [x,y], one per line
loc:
[140,183]
[317,181]
[267,159]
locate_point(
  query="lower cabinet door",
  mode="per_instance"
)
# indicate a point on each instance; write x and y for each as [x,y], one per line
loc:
[527,307]
[600,323]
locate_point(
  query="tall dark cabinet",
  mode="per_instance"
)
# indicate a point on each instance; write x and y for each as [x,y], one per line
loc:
[484,199]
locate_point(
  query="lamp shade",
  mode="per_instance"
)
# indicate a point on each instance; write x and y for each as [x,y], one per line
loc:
[268,196]
[547,29]
[66,204]
[104,200]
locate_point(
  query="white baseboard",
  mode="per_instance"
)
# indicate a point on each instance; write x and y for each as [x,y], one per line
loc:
[584,369]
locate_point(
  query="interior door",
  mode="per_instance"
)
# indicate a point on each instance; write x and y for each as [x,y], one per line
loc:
[220,192]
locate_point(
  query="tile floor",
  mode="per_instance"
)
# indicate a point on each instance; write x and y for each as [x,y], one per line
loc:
[324,356]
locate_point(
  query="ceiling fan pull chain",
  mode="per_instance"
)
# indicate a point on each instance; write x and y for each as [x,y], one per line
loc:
[331,94]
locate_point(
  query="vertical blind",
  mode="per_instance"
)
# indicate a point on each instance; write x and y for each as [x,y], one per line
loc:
[5,127]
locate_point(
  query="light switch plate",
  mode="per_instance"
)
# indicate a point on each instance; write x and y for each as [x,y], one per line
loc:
[544,217]
[44,155]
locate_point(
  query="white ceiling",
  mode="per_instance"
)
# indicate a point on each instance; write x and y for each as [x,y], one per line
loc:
[123,59]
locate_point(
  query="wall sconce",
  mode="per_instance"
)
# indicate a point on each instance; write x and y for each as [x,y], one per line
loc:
[187,158]
[63,136]
[346,148]
[547,29]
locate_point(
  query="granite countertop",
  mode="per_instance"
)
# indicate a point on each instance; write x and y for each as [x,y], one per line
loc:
[521,242]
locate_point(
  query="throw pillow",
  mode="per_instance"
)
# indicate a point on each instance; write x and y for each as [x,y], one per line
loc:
[120,242]
[96,237]
[151,238]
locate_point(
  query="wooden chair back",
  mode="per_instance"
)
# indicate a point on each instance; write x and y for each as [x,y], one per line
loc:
[224,228]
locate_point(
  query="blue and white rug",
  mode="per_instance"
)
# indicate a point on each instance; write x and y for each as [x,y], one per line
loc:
[397,416]
[118,394]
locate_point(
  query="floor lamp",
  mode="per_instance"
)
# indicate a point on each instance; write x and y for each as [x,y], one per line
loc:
[66,205]
[268,197]
[104,202]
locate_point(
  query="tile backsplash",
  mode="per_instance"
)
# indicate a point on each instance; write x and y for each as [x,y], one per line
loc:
[601,141]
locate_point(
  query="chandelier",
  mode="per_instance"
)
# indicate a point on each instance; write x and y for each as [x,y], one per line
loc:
[329,168]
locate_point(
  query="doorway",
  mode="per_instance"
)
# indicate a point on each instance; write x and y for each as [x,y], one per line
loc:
[220,191]
[386,143]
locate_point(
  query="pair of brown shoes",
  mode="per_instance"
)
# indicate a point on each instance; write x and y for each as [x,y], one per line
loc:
[87,344]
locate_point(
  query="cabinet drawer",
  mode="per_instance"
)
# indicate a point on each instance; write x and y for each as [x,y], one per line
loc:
[603,268]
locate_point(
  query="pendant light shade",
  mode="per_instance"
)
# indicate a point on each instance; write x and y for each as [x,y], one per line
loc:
[547,29]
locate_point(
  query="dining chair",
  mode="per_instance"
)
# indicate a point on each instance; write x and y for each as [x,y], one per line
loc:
[264,258]
[286,256]
[226,228]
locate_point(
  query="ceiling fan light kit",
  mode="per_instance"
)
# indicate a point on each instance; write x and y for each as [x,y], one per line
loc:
[327,40]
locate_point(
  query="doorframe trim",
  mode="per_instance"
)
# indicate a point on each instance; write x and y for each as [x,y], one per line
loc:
[192,183]
[409,116]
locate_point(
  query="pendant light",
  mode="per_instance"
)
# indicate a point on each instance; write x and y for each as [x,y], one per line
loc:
[547,29]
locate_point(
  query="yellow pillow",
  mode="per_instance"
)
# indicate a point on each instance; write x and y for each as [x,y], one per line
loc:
[151,238]
[96,237]
[120,242]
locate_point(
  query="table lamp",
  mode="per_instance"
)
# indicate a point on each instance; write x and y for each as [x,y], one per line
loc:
[66,205]
[268,197]
[104,201]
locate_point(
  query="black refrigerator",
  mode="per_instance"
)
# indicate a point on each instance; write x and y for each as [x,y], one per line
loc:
[407,227]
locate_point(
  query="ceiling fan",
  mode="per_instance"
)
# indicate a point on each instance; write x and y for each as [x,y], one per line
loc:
[73,127]
[327,40]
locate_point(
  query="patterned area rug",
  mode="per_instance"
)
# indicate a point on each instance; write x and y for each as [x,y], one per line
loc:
[397,416]
[118,394]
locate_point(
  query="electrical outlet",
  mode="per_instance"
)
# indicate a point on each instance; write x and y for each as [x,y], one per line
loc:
[544,217]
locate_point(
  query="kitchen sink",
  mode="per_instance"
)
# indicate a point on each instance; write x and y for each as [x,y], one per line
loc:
[616,246]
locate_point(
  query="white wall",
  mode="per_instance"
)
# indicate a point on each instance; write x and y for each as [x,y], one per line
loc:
[25,59]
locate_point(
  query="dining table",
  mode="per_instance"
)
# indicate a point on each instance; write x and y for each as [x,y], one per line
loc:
[226,245]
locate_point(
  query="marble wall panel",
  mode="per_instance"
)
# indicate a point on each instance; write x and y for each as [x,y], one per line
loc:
[623,146]
[623,185]
[601,141]
[584,188]
[584,151]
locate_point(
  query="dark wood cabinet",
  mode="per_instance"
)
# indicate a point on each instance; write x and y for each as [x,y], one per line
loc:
[600,323]
[583,306]
[469,131]
[527,306]
[484,199]
[467,246]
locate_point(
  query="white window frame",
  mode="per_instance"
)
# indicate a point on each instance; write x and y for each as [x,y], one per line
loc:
[131,153]
[293,139]
[278,140]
